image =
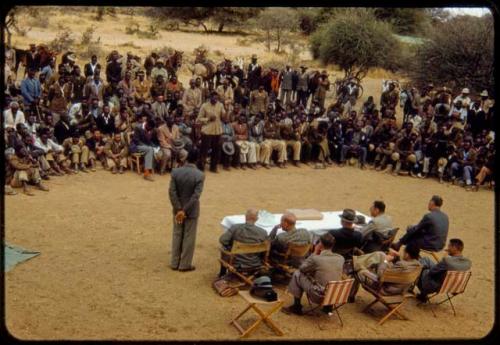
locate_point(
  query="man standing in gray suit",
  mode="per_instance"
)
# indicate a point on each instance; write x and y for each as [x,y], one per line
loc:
[314,273]
[431,233]
[433,274]
[186,185]
[286,85]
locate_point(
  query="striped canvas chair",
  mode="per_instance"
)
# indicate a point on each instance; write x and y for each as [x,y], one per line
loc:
[454,284]
[336,295]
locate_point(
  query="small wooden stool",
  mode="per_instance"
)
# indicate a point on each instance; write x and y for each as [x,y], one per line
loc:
[135,159]
[263,315]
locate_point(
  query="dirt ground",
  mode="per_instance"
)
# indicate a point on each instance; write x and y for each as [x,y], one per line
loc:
[105,245]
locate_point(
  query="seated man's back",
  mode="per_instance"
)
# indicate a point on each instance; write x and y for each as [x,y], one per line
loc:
[346,238]
[244,233]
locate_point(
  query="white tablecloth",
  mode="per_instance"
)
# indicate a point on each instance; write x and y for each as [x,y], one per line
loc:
[331,220]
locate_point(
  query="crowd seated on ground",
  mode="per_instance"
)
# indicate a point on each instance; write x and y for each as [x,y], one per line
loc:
[336,256]
[264,119]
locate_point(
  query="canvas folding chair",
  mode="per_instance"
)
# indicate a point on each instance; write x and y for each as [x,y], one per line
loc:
[454,284]
[264,315]
[293,251]
[239,248]
[336,295]
[392,302]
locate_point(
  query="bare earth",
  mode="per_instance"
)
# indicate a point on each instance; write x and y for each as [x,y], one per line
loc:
[105,245]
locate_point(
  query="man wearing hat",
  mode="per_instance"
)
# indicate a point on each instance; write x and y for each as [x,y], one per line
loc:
[286,77]
[346,238]
[33,58]
[229,149]
[314,274]
[302,87]
[191,99]
[463,98]
[142,87]
[254,72]
[486,102]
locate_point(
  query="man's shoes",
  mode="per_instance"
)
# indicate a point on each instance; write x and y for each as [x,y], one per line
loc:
[45,177]
[422,298]
[28,191]
[267,166]
[83,169]
[174,268]
[42,187]
[149,178]
[190,268]
[120,170]
[295,163]
[113,170]
[292,309]
[281,165]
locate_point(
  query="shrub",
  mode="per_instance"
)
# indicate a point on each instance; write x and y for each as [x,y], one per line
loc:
[63,41]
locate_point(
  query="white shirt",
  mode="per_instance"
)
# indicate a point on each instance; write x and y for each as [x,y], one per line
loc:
[50,146]
[9,120]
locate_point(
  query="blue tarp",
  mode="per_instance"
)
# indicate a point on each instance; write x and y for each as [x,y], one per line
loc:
[14,255]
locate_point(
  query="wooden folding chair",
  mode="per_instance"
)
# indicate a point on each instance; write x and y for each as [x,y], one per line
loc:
[336,295]
[454,284]
[293,251]
[239,248]
[264,315]
[392,302]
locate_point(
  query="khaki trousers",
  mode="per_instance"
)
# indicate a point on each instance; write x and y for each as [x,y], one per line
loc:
[296,146]
[79,154]
[113,162]
[183,243]
[267,148]
[30,175]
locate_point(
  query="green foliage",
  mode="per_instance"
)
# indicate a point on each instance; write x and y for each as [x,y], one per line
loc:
[277,24]
[458,53]
[356,42]
[403,20]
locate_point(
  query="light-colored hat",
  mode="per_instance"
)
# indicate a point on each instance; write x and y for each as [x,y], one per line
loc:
[412,159]
[371,147]
[352,161]
[228,148]
[244,147]
[484,93]
[71,57]
[395,156]
[465,90]
[442,162]
[178,144]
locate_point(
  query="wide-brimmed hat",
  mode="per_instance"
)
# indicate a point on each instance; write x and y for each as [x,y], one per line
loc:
[348,215]
[228,148]
[244,147]
[412,159]
[484,93]
[71,57]
[465,90]
[178,144]
[395,156]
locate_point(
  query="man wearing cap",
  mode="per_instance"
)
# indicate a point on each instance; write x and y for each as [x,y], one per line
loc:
[463,98]
[142,87]
[12,116]
[247,233]
[347,238]
[191,98]
[209,118]
[486,102]
[314,274]
[286,85]
[432,231]
[302,87]
[253,74]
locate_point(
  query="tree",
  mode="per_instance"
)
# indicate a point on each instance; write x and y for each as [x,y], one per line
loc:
[458,53]
[277,24]
[404,20]
[233,15]
[356,42]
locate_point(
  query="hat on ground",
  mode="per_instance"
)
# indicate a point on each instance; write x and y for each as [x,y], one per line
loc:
[228,148]
[263,281]
[412,159]
[348,215]
[244,147]
[352,161]
[465,90]
[484,93]
[395,156]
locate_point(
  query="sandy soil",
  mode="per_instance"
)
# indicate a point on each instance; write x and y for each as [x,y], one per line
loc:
[105,245]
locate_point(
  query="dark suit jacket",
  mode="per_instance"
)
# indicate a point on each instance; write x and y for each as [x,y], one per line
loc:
[431,233]
[106,128]
[88,69]
[346,240]
[61,132]
[186,185]
[433,274]
[139,138]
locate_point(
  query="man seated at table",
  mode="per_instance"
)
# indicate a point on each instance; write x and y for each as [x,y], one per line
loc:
[247,233]
[346,238]
[431,233]
[433,274]
[290,234]
[314,274]
[370,268]
[378,228]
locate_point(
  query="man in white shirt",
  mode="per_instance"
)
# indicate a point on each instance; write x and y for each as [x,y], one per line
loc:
[13,115]
[463,97]
[54,153]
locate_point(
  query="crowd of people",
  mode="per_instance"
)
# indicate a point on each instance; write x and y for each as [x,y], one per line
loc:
[62,121]
[356,250]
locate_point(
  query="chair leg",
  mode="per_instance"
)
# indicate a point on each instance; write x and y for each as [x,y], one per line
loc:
[138,165]
[370,305]
[393,311]
[266,317]
[338,314]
